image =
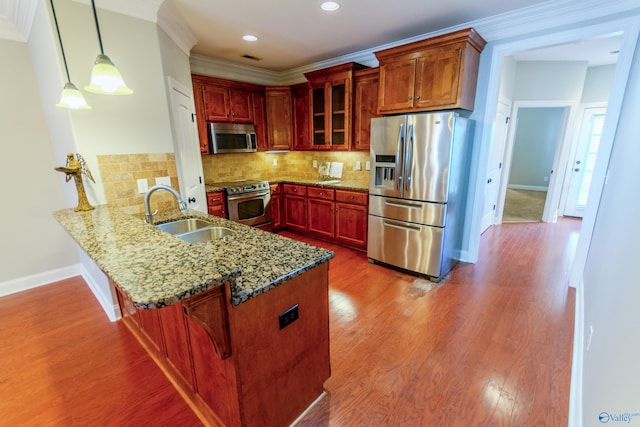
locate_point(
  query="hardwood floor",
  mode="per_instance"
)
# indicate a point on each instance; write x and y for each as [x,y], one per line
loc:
[490,346]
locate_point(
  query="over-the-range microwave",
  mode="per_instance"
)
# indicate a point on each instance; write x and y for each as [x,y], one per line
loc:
[232,138]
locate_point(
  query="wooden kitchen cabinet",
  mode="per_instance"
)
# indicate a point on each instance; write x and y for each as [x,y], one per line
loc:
[295,207]
[279,117]
[365,106]
[227,104]
[433,74]
[260,120]
[301,116]
[217,204]
[351,218]
[201,122]
[276,207]
[320,212]
[331,106]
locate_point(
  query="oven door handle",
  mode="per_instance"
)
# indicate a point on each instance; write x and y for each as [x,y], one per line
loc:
[248,196]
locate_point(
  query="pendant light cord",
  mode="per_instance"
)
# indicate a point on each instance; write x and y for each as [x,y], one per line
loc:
[95,17]
[64,58]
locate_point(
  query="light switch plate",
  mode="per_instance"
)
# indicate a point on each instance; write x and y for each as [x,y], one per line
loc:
[358,165]
[163,180]
[143,185]
[367,165]
[315,164]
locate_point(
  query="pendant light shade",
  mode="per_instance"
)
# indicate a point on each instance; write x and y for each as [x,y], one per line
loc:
[72,98]
[105,77]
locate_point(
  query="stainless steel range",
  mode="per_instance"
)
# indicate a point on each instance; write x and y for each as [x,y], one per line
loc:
[248,202]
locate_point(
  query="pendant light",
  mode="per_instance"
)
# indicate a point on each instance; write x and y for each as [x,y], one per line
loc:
[71,97]
[105,77]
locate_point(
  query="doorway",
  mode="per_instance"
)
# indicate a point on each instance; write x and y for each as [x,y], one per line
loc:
[534,147]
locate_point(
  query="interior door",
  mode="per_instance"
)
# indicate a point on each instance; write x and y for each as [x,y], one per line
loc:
[187,147]
[494,168]
[584,161]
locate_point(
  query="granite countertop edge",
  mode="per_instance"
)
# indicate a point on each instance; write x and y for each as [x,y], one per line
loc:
[155,269]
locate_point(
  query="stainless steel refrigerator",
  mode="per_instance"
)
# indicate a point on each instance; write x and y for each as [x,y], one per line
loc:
[417,190]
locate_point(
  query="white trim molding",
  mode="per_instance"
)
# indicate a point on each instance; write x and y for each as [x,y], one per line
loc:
[16,19]
[172,22]
[39,279]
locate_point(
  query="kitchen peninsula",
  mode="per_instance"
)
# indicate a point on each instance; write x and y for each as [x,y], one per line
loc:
[239,324]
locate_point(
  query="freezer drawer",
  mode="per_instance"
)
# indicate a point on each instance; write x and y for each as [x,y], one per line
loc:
[414,247]
[408,210]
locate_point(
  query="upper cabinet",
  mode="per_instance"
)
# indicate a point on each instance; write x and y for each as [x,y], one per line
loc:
[433,74]
[301,106]
[365,95]
[330,92]
[279,117]
[225,104]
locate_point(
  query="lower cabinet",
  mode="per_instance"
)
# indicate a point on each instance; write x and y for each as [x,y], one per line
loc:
[217,204]
[277,221]
[295,207]
[338,216]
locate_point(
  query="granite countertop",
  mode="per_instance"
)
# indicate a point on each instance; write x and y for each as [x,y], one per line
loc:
[339,184]
[155,269]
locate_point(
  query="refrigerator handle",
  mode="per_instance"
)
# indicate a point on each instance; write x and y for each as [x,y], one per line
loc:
[408,163]
[399,153]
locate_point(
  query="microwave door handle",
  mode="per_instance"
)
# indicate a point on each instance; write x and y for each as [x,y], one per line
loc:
[399,152]
[408,164]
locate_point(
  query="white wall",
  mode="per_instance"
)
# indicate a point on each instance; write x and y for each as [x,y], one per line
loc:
[33,243]
[508,78]
[611,379]
[547,81]
[597,84]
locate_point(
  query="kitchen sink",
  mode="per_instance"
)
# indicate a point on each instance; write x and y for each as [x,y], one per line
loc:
[183,225]
[206,234]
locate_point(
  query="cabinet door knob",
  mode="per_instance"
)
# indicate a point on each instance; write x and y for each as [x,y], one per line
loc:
[191,200]
[418,97]
[410,98]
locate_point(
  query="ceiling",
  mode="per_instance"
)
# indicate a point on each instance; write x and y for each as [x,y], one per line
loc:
[293,33]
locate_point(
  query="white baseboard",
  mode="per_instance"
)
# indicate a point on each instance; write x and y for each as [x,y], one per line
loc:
[111,308]
[527,187]
[29,282]
[575,395]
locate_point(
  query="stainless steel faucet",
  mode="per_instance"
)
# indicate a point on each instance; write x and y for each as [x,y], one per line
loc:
[148,216]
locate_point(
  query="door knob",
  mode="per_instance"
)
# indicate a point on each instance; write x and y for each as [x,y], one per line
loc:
[191,199]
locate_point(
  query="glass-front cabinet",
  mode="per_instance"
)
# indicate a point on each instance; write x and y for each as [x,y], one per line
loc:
[331,106]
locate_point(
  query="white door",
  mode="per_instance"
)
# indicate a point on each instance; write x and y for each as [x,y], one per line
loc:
[584,161]
[187,147]
[494,168]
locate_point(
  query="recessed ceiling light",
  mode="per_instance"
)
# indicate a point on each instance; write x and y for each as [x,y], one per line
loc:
[330,6]
[249,38]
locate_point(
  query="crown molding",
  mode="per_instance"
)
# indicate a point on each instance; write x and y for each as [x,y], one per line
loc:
[172,22]
[230,70]
[16,19]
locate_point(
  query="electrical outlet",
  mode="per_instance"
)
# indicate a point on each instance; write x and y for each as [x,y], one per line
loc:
[143,185]
[163,180]
[367,165]
[315,164]
[358,165]
[288,317]
[275,162]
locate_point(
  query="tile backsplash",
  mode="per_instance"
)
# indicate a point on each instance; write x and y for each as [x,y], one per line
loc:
[298,164]
[120,173]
